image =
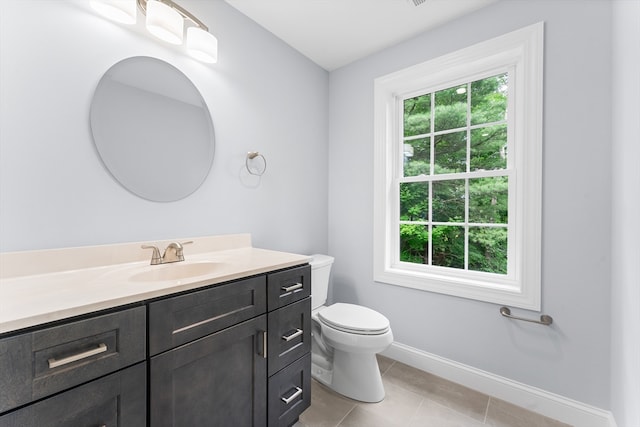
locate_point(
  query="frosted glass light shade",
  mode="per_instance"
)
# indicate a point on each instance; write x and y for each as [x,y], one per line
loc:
[123,11]
[202,45]
[164,22]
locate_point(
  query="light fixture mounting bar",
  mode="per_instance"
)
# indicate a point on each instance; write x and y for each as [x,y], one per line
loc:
[181,10]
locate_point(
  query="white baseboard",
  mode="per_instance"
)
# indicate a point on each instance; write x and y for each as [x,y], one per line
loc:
[543,402]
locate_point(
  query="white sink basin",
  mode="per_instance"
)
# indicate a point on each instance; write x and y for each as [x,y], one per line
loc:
[175,271]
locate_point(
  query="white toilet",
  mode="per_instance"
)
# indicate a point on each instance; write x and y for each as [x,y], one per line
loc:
[346,338]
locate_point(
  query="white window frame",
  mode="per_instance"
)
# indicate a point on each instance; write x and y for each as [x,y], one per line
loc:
[520,53]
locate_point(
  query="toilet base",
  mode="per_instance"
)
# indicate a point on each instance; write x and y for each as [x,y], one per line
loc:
[354,375]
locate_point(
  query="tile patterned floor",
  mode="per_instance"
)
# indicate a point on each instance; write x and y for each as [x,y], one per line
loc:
[417,399]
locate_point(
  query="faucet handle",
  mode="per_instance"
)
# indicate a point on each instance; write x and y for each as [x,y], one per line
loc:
[155,256]
[173,252]
[179,252]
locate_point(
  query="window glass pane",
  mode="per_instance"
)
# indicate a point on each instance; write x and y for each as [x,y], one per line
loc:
[489,148]
[450,152]
[451,108]
[488,200]
[414,201]
[448,246]
[489,99]
[414,243]
[417,115]
[488,249]
[448,200]
[417,157]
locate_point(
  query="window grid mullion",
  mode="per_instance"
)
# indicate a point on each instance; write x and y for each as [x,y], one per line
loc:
[432,158]
[462,175]
[446,131]
[460,224]
[466,181]
[398,173]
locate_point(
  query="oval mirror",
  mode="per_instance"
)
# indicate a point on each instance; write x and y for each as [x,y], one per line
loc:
[152,129]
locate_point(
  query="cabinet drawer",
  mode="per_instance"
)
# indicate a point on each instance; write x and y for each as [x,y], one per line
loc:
[118,399]
[285,287]
[290,392]
[289,334]
[51,360]
[178,320]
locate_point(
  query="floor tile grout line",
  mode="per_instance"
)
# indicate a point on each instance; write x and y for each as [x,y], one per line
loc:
[346,415]
[486,411]
[417,409]
[382,374]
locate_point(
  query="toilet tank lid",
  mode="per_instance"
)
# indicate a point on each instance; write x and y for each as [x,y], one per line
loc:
[320,260]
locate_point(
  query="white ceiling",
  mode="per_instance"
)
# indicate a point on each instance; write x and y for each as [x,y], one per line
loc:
[333,33]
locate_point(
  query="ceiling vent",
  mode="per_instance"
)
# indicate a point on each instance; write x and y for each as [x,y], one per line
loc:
[417,2]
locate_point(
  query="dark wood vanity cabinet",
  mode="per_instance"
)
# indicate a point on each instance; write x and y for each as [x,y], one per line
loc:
[233,354]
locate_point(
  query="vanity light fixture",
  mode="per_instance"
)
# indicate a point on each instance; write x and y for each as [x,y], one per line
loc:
[166,20]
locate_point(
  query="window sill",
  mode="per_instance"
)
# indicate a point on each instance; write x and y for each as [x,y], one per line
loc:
[497,290]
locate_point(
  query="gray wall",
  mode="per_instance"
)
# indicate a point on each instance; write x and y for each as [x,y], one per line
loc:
[625,279]
[572,357]
[264,96]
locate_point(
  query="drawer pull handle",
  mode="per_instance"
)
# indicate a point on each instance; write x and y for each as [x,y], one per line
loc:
[292,287]
[296,334]
[54,363]
[295,395]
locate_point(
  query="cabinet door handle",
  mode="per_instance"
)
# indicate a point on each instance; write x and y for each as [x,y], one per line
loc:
[290,399]
[296,334]
[54,363]
[292,287]
[264,344]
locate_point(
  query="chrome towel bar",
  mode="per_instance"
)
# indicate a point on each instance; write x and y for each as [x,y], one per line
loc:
[544,318]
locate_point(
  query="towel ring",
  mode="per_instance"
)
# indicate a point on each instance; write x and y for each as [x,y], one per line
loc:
[251,155]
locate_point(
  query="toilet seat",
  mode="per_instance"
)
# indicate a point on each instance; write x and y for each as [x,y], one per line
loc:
[354,319]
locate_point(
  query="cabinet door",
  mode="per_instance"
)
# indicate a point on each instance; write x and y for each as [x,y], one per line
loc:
[290,392]
[289,334]
[216,381]
[117,400]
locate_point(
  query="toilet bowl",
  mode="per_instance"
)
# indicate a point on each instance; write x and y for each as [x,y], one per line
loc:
[345,341]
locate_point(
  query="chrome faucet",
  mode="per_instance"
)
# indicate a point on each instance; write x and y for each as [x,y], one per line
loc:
[172,253]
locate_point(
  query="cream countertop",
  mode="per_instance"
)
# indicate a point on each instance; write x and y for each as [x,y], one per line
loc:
[37,287]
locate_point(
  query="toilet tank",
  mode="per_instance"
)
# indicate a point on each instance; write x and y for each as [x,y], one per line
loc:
[320,270]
